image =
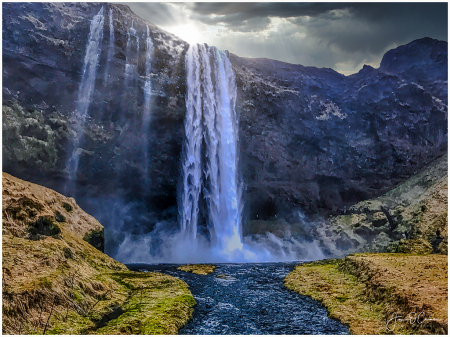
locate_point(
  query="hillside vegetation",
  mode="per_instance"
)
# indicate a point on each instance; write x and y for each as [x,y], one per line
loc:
[366,291]
[411,218]
[55,282]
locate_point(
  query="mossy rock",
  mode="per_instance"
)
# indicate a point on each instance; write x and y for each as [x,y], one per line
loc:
[24,208]
[59,217]
[443,248]
[379,219]
[414,246]
[44,226]
[68,207]
[200,269]
[96,237]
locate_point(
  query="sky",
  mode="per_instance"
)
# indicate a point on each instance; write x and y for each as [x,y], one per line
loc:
[341,36]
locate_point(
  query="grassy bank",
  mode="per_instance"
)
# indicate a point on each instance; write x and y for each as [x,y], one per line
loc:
[55,282]
[200,269]
[365,291]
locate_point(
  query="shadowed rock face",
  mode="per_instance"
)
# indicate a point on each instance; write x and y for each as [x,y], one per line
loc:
[43,56]
[317,140]
[310,139]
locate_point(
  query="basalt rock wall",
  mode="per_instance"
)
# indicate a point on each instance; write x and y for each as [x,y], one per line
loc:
[319,141]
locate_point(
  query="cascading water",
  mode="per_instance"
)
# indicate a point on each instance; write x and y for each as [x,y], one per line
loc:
[131,60]
[85,91]
[147,96]
[211,117]
[192,171]
[227,225]
[131,68]
[110,46]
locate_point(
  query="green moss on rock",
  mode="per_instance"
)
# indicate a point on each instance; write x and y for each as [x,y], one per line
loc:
[414,246]
[68,207]
[158,304]
[44,226]
[96,237]
[59,217]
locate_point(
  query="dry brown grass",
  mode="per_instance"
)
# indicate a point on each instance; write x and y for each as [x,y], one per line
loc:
[200,269]
[365,290]
[60,284]
[24,202]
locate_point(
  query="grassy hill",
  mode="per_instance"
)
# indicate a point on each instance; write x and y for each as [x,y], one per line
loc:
[56,282]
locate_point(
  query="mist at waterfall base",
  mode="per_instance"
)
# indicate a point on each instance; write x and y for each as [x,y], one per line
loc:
[166,243]
[210,204]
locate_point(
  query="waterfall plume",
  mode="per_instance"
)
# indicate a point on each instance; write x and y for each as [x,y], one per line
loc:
[147,103]
[85,91]
[211,119]
[110,46]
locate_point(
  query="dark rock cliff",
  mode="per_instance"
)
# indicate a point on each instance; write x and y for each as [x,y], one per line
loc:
[317,140]
[310,139]
[43,53]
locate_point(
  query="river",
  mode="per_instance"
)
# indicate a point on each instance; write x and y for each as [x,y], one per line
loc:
[249,299]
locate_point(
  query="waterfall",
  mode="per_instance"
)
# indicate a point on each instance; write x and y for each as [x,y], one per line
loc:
[192,179]
[227,225]
[211,117]
[85,90]
[147,95]
[131,68]
[131,60]
[110,46]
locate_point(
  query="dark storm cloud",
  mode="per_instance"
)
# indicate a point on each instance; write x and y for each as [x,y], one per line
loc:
[373,27]
[254,16]
[416,16]
[240,22]
[366,27]
[262,9]
[342,36]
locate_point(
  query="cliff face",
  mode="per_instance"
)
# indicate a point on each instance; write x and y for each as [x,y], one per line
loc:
[317,140]
[310,139]
[411,218]
[43,57]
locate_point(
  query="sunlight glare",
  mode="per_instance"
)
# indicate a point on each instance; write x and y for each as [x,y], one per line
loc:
[188,33]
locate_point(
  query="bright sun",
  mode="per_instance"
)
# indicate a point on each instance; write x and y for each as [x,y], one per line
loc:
[188,33]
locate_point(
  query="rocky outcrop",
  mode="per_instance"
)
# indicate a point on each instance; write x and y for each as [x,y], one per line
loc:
[34,212]
[311,140]
[411,218]
[55,282]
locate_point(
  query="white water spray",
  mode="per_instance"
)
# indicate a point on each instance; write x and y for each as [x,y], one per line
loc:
[85,91]
[131,63]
